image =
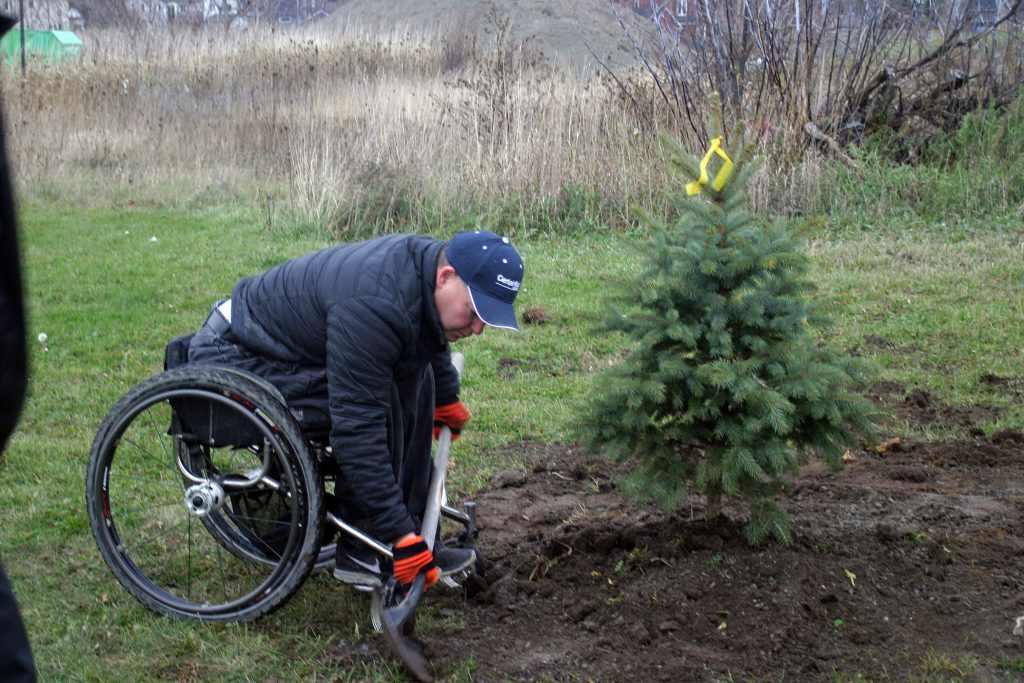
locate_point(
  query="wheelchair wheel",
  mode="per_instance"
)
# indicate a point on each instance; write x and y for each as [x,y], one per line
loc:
[203,497]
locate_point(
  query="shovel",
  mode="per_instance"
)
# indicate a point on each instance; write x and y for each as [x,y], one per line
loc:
[398,622]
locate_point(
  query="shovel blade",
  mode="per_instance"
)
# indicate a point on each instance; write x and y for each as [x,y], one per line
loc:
[397,624]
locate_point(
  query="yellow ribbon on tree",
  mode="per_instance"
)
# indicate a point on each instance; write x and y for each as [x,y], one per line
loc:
[723,173]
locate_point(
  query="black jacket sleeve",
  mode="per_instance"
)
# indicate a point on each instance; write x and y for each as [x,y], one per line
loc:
[446,379]
[364,341]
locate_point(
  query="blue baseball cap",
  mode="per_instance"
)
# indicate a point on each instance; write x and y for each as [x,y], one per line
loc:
[492,270]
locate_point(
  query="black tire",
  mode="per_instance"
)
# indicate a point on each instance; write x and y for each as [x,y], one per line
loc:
[224,563]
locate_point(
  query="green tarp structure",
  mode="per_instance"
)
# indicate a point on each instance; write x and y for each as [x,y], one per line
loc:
[48,45]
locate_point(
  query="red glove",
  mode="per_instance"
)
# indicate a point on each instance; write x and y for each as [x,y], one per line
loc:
[412,557]
[454,415]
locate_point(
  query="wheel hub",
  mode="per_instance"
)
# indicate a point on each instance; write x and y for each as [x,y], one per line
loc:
[204,498]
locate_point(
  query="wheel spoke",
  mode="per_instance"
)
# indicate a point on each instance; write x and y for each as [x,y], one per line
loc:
[156,431]
[148,455]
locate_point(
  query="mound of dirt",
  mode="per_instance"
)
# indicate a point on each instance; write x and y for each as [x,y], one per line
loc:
[910,550]
[581,35]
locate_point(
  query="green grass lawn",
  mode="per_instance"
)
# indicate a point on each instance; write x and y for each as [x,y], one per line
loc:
[109,288]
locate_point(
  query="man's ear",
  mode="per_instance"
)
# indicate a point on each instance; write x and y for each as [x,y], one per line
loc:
[444,275]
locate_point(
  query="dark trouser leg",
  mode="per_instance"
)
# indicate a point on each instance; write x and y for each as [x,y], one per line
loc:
[416,400]
[16,664]
[303,387]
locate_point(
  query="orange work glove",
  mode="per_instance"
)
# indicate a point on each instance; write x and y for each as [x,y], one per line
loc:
[454,415]
[412,557]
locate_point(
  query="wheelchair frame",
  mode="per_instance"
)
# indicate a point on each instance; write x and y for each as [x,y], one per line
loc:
[223,524]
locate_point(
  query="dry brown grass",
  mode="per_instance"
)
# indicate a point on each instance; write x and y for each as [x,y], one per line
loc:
[364,129]
[326,124]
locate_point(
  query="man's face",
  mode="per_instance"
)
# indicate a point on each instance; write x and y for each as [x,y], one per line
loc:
[458,317]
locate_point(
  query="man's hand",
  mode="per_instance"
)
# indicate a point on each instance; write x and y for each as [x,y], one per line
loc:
[412,557]
[454,416]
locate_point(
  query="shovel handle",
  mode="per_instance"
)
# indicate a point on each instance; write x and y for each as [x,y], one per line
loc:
[435,495]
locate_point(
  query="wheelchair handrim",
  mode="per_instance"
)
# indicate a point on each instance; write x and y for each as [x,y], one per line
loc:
[139,579]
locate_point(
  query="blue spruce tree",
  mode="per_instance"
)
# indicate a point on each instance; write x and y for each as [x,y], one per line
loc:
[730,385]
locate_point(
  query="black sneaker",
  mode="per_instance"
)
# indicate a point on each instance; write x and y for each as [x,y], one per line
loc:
[358,565]
[452,560]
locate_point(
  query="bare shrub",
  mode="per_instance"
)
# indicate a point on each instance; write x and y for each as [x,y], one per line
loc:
[825,73]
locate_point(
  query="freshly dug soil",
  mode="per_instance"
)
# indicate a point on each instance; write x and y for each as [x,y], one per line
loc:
[906,562]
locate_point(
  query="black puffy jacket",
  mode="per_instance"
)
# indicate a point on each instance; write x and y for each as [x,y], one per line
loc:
[366,313]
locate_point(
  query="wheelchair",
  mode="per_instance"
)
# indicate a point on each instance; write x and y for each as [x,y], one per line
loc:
[209,499]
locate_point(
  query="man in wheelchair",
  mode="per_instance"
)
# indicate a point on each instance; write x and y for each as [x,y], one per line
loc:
[357,339]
